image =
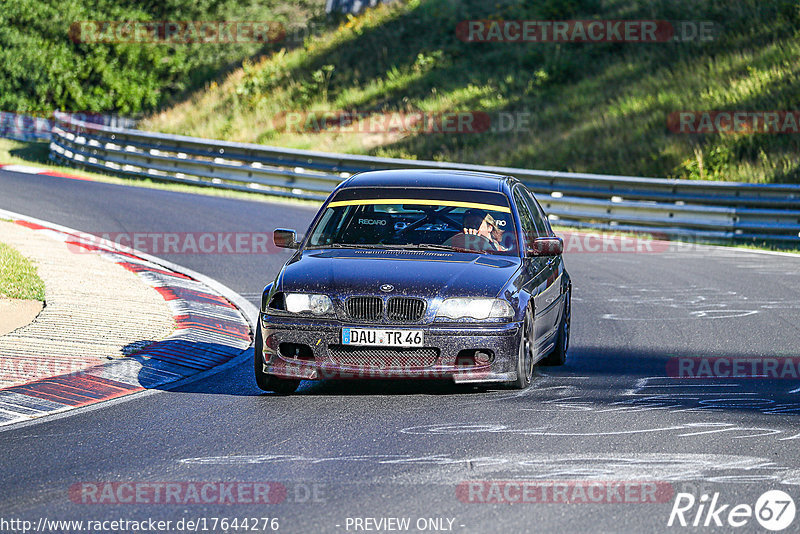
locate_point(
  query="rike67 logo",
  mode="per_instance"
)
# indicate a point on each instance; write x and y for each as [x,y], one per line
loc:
[774,510]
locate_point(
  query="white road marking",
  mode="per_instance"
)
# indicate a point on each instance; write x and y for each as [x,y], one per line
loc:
[22,168]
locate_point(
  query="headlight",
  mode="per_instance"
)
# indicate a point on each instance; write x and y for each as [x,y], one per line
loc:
[303,303]
[459,308]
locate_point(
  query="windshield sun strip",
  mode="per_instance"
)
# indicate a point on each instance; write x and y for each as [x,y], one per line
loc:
[419,202]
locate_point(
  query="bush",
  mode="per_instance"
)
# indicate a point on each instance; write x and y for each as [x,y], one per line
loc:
[42,68]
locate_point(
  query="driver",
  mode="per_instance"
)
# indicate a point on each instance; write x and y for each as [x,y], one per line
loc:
[502,222]
[478,223]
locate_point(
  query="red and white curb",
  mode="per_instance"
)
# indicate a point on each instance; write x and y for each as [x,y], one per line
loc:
[213,329]
[27,169]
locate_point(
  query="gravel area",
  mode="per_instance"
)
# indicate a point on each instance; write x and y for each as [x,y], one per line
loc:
[94,309]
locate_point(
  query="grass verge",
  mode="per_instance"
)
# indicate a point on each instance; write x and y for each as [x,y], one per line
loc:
[18,277]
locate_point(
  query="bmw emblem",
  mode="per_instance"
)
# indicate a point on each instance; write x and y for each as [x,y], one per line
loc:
[386,288]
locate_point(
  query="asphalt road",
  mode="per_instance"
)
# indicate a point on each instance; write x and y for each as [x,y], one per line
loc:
[346,450]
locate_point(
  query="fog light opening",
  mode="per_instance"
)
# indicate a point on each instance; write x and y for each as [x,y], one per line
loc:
[474,358]
[297,351]
[270,343]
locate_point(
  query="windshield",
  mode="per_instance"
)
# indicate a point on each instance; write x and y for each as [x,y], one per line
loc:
[417,223]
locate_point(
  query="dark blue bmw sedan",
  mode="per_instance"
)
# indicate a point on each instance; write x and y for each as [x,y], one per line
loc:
[417,274]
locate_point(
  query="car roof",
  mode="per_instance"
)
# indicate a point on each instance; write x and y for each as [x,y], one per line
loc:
[434,178]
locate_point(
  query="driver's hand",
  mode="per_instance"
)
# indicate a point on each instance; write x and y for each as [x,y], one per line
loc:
[471,231]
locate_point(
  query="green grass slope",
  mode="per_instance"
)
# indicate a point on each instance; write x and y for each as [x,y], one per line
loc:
[594,107]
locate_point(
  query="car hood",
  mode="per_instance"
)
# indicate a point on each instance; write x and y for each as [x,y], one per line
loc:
[412,273]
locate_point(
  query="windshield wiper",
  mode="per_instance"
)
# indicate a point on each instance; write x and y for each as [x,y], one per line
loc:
[344,245]
[409,246]
[432,246]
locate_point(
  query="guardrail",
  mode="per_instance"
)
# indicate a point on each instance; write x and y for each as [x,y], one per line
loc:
[22,127]
[726,211]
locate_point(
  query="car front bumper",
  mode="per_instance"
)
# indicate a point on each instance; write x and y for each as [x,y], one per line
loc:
[444,356]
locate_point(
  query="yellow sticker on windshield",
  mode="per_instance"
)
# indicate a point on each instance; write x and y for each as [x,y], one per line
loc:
[419,202]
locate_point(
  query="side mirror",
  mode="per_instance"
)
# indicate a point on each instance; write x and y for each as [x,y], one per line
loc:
[285,238]
[546,246]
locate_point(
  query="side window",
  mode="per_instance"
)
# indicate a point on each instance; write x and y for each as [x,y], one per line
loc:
[528,228]
[539,219]
[543,215]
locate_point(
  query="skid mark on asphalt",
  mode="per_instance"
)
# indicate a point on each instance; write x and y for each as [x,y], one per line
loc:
[531,392]
[685,304]
[729,395]
[648,394]
[680,304]
[776,266]
[406,468]
[733,430]
[675,396]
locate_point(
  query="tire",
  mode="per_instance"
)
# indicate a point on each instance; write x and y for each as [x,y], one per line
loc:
[525,362]
[559,354]
[282,386]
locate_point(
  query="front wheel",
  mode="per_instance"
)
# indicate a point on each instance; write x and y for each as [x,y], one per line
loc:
[282,386]
[525,354]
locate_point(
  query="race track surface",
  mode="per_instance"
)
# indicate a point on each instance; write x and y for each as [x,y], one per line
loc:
[392,449]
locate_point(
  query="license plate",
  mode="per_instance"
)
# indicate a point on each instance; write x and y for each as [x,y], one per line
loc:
[382,338]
